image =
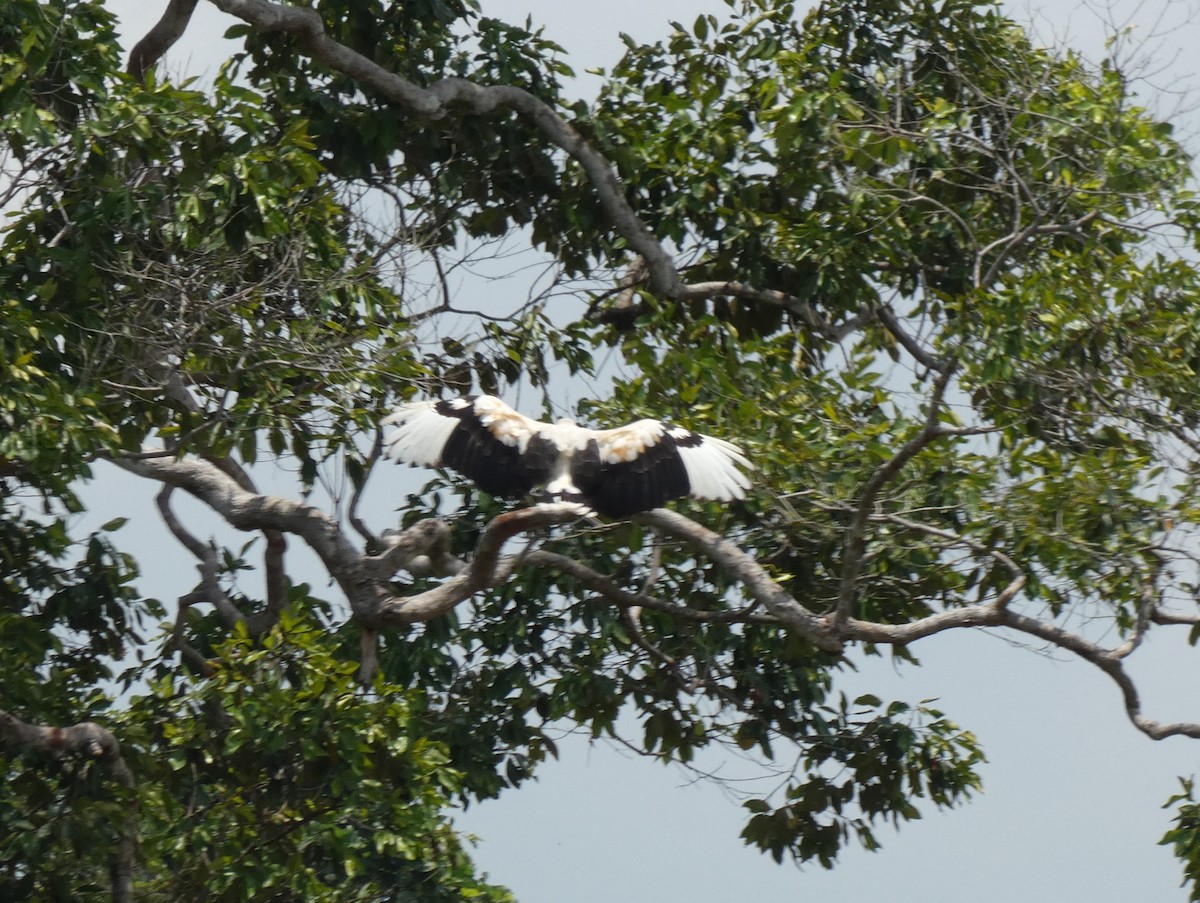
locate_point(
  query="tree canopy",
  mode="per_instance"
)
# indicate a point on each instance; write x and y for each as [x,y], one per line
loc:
[936,280]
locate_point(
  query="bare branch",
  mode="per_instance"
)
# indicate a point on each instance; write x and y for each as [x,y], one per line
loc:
[753,576]
[355,496]
[1147,605]
[1165,617]
[1110,663]
[206,555]
[485,569]
[247,510]
[365,578]
[733,289]
[196,662]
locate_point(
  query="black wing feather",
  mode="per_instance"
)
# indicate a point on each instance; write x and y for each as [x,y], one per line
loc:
[655,476]
[495,467]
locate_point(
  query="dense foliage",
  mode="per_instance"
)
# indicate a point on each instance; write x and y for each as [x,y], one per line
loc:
[934,277]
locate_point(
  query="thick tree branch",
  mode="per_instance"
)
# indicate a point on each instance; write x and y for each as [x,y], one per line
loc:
[364,579]
[750,573]
[486,568]
[247,510]
[802,309]
[169,29]
[1165,617]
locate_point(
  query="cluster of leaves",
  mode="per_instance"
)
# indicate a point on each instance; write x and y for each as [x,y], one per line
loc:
[481,176]
[67,612]
[58,823]
[89,601]
[278,776]
[274,776]
[160,229]
[1184,836]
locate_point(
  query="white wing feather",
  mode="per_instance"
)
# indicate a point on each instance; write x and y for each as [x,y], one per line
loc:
[712,468]
[420,435]
[711,464]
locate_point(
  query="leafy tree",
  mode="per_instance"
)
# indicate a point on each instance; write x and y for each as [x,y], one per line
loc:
[931,276]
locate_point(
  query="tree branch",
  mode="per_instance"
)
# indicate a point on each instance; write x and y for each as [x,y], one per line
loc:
[1108,661]
[628,601]
[454,94]
[207,557]
[485,569]
[247,510]
[856,542]
[733,289]
[169,29]
[790,613]
[196,662]
[892,324]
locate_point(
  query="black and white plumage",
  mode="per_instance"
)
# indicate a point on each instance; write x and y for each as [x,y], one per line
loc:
[615,472]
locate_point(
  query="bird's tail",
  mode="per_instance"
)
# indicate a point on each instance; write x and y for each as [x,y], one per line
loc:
[570,496]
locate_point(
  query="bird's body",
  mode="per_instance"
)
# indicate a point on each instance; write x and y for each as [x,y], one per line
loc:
[614,472]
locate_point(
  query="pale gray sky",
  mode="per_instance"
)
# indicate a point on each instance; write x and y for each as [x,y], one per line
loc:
[1073,793]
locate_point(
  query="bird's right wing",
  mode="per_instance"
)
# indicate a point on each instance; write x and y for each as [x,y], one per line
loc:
[650,462]
[479,436]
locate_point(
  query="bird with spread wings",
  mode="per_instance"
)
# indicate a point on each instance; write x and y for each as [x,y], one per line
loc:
[615,473]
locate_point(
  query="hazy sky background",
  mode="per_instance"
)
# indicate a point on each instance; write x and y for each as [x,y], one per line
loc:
[1071,809]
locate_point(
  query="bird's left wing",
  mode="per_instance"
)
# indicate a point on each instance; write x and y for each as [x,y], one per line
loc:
[479,436]
[650,462]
